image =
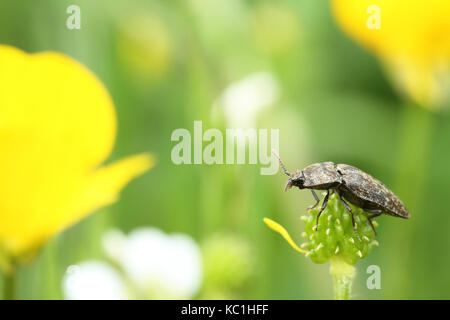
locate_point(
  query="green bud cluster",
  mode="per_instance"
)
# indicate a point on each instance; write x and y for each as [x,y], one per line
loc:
[335,236]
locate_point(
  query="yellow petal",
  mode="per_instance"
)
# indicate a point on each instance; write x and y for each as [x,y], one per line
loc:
[279,228]
[418,29]
[413,41]
[55,97]
[105,183]
[57,126]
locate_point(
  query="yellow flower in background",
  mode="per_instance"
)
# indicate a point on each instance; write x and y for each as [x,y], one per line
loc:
[412,38]
[57,126]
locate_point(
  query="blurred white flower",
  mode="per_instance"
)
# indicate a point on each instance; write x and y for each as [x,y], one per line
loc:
[93,280]
[243,100]
[159,266]
[114,242]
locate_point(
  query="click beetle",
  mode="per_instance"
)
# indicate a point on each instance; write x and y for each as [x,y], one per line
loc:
[350,183]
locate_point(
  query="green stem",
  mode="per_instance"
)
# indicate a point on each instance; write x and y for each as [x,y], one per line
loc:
[343,274]
[415,141]
[10,285]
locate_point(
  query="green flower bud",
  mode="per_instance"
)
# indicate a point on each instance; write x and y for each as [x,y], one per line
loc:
[334,239]
[335,236]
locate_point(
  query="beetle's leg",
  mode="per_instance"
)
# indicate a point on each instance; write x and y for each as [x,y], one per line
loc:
[346,205]
[375,214]
[324,204]
[317,200]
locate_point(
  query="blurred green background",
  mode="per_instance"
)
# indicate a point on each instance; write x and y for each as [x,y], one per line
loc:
[165,63]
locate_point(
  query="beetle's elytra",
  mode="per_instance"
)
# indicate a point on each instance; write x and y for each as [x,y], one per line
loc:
[351,184]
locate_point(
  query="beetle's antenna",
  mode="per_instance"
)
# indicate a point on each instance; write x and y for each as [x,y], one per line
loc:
[281,162]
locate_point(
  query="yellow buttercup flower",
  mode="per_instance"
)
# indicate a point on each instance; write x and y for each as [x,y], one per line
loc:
[57,126]
[412,37]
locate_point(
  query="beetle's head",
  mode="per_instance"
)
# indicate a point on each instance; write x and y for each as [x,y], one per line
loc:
[296,178]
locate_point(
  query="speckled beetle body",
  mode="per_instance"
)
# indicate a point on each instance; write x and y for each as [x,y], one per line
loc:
[352,184]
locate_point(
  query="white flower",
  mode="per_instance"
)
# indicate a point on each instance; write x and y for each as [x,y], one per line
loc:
[160,266]
[114,242]
[243,100]
[93,280]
